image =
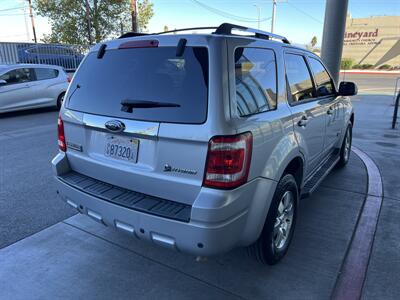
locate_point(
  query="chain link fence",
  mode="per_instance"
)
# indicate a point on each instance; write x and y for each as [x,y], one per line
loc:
[67,56]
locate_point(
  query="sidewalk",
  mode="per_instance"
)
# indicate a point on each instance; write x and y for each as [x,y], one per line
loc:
[372,133]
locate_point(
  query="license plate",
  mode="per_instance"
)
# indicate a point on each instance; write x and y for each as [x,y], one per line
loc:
[122,148]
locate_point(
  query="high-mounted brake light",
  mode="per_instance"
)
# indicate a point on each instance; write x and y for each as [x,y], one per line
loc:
[61,136]
[139,44]
[228,161]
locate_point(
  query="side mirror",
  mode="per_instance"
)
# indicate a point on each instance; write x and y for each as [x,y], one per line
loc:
[347,88]
[2,82]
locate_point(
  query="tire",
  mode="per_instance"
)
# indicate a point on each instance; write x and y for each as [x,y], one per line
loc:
[60,100]
[273,244]
[345,150]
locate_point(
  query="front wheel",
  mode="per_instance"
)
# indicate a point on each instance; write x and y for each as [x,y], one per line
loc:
[346,147]
[278,230]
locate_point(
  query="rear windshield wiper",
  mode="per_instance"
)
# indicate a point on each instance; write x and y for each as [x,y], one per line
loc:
[129,104]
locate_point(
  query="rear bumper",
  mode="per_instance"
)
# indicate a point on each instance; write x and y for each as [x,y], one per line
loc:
[219,220]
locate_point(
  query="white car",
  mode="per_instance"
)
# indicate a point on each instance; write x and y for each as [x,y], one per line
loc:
[26,86]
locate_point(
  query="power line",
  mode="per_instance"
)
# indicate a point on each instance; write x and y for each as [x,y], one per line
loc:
[13,14]
[14,8]
[226,14]
[305,13]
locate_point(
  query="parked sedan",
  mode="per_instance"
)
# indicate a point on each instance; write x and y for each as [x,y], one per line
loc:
[26,86]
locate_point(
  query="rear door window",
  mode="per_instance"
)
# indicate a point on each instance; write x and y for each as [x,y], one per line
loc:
[255,77]
[45,73]
[322,78]
[144,74]
[299,78]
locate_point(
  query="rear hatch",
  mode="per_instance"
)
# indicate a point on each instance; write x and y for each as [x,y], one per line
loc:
[132,118]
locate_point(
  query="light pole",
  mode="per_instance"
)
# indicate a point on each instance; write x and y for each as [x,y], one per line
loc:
[28,37]
[259,14]
[273,16]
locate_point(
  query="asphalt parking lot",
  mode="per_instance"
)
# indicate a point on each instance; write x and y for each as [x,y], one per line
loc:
[373,84]
[27,144]
[48,252]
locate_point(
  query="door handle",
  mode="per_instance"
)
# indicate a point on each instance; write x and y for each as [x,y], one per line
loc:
[303,121]
[330,110]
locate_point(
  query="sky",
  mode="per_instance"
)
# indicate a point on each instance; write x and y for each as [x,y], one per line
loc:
[298,20]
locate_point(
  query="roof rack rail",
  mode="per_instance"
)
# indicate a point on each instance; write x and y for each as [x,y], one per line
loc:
[186,29]
[223,29]
[226,29]
[133,34]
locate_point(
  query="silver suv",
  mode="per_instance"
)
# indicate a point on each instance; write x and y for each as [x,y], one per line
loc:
[201,142]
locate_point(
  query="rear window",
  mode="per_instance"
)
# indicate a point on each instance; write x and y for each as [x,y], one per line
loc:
[45,73]
[144,74]
[255,77]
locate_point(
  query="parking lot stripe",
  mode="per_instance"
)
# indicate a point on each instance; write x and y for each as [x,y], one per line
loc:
[351,278]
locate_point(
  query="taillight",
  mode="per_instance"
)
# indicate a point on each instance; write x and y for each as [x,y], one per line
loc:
[61,136]
[228,161]
[69,78]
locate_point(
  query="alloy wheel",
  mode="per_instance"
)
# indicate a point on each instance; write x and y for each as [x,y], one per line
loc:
[347,145]
[284,221]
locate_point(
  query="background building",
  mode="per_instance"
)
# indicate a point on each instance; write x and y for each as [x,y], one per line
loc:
[373,40]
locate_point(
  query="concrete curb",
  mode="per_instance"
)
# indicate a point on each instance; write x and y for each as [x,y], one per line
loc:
[370,72]
[350,281]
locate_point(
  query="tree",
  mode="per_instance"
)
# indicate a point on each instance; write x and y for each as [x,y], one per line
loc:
[313,41]
[69,23]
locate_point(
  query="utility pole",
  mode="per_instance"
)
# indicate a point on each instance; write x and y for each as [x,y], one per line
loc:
[273,16]
[259,14]
[89,26]
[32,20]
[134,16]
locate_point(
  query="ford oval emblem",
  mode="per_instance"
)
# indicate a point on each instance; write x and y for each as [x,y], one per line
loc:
[115,126]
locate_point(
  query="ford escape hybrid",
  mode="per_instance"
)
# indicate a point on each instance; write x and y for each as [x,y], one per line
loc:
[201,142]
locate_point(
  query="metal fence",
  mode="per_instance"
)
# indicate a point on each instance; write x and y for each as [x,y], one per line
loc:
[64,55]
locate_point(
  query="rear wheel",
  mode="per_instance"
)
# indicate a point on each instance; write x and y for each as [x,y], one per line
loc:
[346,147]
[60,100]
[278,230]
